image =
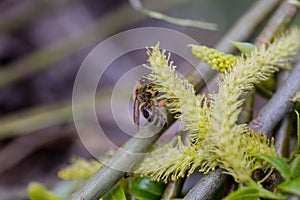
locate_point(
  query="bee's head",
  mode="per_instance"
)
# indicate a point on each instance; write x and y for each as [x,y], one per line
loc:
[144,81]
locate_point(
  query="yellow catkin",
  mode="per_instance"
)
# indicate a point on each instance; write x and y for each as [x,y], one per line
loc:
[216,59]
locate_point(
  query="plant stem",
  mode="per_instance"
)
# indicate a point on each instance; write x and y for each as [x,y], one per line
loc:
[283,134]
[173,189]
[207,186]
[279,21]
[278,105]
[104,179]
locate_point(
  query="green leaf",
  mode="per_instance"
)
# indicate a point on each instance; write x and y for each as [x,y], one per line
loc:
[297,147]
[116,193]
[279,163]
[119,194]
[38,192]
[295,167]
[298,131]
[244,193]
[252,193]
[244,47]
[291,186]
[145,189]
[266,194]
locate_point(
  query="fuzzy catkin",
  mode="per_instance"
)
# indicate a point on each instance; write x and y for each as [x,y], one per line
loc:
[217,140]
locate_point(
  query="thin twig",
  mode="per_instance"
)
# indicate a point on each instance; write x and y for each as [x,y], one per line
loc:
[283,134]
[137,5]
[281,18]
[173,189]
[207,186]
[279,104]
[279,21]
[106,177]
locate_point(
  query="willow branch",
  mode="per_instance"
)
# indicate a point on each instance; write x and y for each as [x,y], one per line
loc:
[284,130]
[173,189]
[283,136]
[207,186]
[104,179]
[278,105]
[279,21]
[281,18]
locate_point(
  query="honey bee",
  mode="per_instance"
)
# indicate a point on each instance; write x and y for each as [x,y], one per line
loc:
[145,102]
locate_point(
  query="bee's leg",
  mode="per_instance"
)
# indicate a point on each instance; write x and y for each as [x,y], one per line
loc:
[145,112]
[157,117]
[136,112]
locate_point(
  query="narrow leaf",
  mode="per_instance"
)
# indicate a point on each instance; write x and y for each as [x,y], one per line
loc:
[244,193]
[279,163]
[144,188]
[266,194]
[295,170]
[298,131]
[291,186]
[244,47]
[297,147]
[179,21]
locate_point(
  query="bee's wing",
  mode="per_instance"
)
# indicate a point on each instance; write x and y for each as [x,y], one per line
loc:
[136,112]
